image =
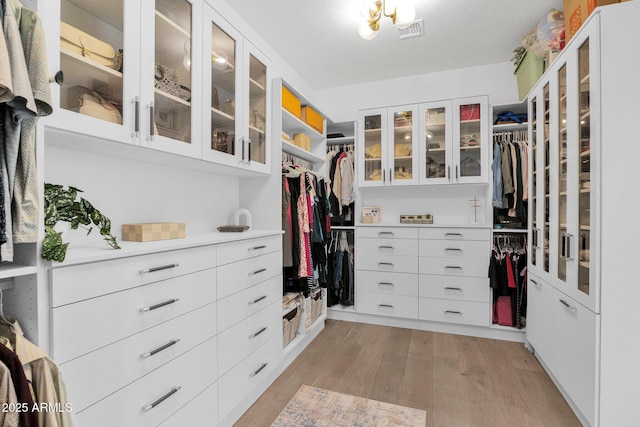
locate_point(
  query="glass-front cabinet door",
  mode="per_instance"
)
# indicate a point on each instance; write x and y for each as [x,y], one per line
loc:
[372,143]
[561,224]
[255,148]
[546,180]
[534,197]
[99,45]
[470,140]
[435,143]
[402,166]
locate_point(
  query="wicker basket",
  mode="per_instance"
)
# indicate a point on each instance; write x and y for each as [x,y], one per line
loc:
[290,324]
[316,306]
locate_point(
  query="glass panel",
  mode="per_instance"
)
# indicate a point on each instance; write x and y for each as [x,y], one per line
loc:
[402,145]
[223,91]
[257,110]
[172,98]
[470,140]
[534,183]
[436,143]
[546,201]
[584,167]
[562,173]
[93,81]
[373,148]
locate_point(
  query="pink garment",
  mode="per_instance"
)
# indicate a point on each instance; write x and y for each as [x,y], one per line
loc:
[303,227]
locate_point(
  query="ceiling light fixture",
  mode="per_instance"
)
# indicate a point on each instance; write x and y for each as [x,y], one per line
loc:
[402,15]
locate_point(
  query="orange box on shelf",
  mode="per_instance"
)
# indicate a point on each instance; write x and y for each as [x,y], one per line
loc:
[290,102]
[577,11]
[313,118]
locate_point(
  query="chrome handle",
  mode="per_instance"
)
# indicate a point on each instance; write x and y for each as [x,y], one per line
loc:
[254,373]
[455,267]
[248,150]
[449,173]
[386,263]
[386,284]
[385,305]
[380,233]
[390,175]
[569,237]
[452,289]
[159,349]
[152,120]
[162,304]
[252,336]
[453,234]
[162,267]
[243,147]
[536,284]
[174,390]
[136,117]
[456,172]
[255,248]
[459,313]
[257,300]
[258,272]
[384,175]
[385,247]
[569,306]
[453,249]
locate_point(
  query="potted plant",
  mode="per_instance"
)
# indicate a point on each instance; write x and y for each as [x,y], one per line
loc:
[60,204]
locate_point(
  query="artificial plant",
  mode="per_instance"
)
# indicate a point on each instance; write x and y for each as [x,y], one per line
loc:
[60,204]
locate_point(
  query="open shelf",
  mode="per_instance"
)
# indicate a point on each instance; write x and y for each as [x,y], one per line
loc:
[291,124]
[288,147]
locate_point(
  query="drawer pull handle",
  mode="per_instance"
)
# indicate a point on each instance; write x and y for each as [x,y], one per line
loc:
[385,247]
[257,300]
[262,270]
[448,288]
[536,284]
[453,249]
[174,390]
[255,248]
[381,233]
[252,336]
[254,373]
[162,267]
[386,263]
[159,349]
[161,304]
[453,234]
[455,267]
[385,305]
[459,313]
[569,306]
[385,284]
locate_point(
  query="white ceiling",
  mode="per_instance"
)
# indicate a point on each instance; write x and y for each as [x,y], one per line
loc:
[319,38]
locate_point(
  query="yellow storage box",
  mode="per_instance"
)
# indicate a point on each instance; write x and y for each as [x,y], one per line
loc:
[148,232]
[303,141]
[290,102]
[313,118]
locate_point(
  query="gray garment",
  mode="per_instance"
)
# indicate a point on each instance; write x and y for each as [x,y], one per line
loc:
[496,167]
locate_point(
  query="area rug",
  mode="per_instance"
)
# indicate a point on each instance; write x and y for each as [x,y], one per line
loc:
[317,407]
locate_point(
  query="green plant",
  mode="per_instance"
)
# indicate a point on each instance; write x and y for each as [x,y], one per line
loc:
[518,56]
[60,204]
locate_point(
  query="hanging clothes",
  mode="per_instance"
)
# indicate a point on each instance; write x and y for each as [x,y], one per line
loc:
[507,278]
[510,181]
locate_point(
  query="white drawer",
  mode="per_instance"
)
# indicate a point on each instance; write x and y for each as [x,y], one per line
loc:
[243,304]
[245,249]
[387,232]
[240,275]
[236,384]
[463,312]
[387,305]
[91,377]
[455,287]
[184,377]
[80,282]
[388,283]
[203,407]
[239,341]
[88,325]
[469,267]
[376,246]
[455,233]
[391,263]
[455,249]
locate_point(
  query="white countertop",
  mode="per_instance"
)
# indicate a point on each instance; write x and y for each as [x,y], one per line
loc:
[387,224]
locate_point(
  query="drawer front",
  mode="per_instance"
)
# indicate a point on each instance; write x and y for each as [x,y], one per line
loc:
[236,384]
[455,233]
[462,312]
[377,246]
[245,249]
[178,382]
[239,341]
[455,287]
[390,263]
[388,283]
[80,282]
[88,325]
[455,249]
[91,377]
[241,275]
[469,267]
[387,232]
[388,305]
[203,407]
[243,304]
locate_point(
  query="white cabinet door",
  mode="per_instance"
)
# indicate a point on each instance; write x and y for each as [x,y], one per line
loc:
[402,145]
[539,320]
[435,143]
[471,140]
[371,150]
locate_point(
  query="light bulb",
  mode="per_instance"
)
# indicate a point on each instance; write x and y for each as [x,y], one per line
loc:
[219,60]
[407,136]
[405,15]
[429,135]
[366,32]
[186,62]
[187,47]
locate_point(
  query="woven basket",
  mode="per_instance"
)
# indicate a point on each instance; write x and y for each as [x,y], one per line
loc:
[316,306]
[290,324]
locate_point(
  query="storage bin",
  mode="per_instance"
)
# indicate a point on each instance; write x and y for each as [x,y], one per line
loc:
[577,11]
[290,102]
[313,118]
[303,141]
[528,72]
[316,306]
[290,325]
[152,231]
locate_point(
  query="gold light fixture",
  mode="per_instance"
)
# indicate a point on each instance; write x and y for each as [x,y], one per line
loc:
[402,15]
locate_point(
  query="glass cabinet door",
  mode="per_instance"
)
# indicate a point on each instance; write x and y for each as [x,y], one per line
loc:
[256,150]
[402,168]
[172,70]
[584,168]
[546,189]
[561,225]
[435,143]
[535,174]
[371,146]
[470,140]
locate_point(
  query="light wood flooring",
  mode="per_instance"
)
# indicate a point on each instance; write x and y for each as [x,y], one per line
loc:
[460,381]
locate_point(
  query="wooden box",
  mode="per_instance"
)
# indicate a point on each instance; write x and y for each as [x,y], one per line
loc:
[303,141]
[313,118]
[152,231]
[290,102]
[577,11]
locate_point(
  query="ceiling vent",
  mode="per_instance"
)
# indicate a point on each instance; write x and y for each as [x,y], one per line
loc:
[416,29]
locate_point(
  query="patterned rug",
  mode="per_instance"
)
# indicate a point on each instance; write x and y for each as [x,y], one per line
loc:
[317,407]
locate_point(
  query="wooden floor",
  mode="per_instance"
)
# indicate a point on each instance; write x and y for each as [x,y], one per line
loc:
[458,380]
